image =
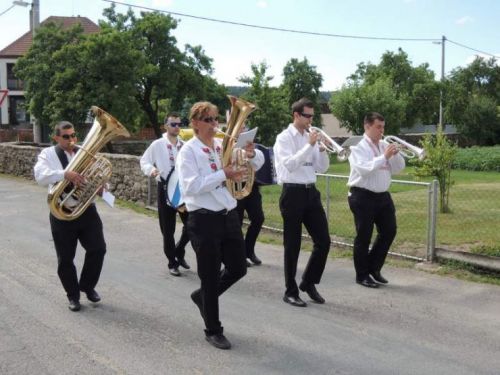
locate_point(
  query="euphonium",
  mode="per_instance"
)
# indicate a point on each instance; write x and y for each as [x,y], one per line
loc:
[329,144]
[406,149]
[240,109]
[67,202]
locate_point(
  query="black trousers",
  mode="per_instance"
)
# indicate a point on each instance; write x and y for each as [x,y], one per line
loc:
[167,217]
[371,209]
[216,239]
[88,230]
[301,205]
[253,206]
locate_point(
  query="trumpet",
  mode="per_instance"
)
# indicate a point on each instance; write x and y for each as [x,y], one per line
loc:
[407,150]
[325,141]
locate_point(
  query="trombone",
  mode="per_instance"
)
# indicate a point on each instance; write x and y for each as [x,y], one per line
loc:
[325,141]
[407,150]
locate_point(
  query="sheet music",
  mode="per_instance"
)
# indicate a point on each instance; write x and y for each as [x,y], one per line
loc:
[246,137]
[108,198]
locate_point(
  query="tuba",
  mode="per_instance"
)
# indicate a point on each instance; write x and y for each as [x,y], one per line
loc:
[68,202]
[407,150]
[240,109]
[329,144]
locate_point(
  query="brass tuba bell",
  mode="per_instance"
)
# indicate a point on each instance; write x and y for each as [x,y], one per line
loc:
[67,202]
[240,109]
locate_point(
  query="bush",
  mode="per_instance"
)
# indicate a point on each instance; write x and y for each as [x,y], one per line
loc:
[478,159]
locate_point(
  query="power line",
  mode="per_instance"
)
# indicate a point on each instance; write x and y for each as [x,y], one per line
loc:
[472,49]
[5,11]
[297,31]
[273,28]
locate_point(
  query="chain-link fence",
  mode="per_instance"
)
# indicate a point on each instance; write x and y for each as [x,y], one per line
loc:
[415,209]
[473,220]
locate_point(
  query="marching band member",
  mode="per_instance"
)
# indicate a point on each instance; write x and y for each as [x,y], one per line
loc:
[252,204]
[50,169]
[158,161]
[297,158]
[373,162]
[213,225]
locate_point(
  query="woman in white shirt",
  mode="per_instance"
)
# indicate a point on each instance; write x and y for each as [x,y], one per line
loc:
[213,225]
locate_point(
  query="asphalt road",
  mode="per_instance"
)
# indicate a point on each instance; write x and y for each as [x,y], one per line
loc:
[146,323]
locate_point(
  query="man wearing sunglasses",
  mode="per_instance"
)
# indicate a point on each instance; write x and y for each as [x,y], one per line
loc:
[158,161]
[50,169]
[298,158]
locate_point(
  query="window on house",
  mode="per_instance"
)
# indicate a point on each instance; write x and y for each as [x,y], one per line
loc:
[13,83]
[17,111]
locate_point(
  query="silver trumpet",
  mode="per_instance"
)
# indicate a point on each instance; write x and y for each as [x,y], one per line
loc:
[407,150]
[329,144]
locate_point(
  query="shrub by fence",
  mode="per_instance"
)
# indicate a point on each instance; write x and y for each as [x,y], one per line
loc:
[478,159]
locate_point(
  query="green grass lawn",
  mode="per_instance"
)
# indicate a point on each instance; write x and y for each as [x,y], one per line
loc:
[474,220]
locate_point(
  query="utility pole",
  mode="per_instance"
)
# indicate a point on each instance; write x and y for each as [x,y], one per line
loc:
[441,119]
[38,131]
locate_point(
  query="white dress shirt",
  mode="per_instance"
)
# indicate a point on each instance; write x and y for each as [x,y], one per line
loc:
[158,156]
[369,168]
[296,160]
[48,168]
[201,177]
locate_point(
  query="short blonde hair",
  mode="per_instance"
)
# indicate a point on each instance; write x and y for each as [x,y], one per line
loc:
[199,110]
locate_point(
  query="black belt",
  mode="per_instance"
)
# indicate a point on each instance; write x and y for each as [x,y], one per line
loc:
[302,186]
[204,211]
[363,190]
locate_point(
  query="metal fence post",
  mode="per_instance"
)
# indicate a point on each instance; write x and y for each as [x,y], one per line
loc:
[328,198]
[431,221]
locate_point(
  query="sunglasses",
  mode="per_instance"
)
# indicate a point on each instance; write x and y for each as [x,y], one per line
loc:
[306,115]
[68,136]
[209,119]
[175,124]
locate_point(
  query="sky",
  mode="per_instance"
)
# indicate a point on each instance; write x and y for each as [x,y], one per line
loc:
[233,48]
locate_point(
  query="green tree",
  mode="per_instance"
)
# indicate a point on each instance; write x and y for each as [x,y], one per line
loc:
[414,88]
[439,156]
[132,68]
[42,67]
[272,113]
[473,101]
[165,71]
[351,104]
[300,79]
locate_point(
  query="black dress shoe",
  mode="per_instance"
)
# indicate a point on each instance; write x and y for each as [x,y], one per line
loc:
[294,301]
[249,264]
[379,278]
[255,260]
[219,341]
[92,295]
[183,264]
[174,271]
[74,305]
[311,291]
[368,282]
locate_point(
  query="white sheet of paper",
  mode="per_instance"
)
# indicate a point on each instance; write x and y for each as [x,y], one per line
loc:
[109,198]
[246,137]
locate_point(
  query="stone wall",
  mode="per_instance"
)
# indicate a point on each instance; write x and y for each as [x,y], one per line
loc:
[127,181]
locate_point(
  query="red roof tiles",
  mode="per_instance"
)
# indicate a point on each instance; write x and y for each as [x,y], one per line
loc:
[20,46]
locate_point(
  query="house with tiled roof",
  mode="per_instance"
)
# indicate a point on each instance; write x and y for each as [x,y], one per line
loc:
[12,101]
